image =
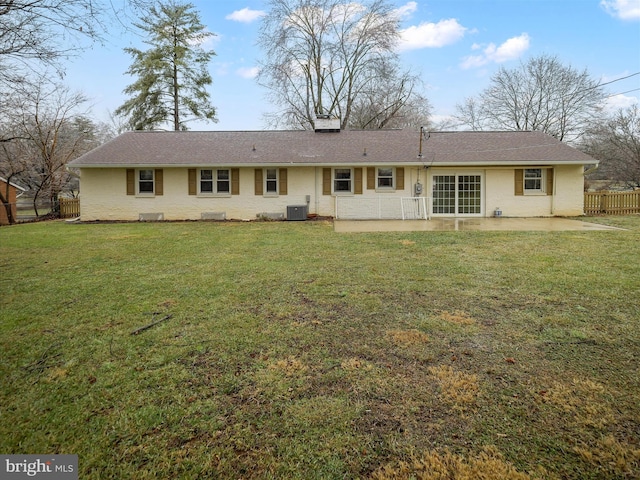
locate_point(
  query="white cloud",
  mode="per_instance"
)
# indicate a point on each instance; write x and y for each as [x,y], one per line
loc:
[248,72]
[406,10]
[511,49]
[615,103]
[623,9]
[245,15]
[431,35]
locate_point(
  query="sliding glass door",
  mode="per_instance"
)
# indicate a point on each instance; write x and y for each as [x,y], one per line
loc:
[457,195]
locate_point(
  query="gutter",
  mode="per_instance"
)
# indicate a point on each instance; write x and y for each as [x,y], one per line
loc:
[591,170]
[72,171]
[387,163]
[17,187]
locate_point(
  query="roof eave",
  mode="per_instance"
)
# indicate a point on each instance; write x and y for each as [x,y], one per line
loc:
[17,187]
[523,163]
[416,162]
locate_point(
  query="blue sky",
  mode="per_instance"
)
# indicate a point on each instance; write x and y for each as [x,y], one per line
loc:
[455,46]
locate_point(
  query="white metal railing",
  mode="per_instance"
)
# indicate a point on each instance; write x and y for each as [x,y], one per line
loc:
[414,208]
[381,208]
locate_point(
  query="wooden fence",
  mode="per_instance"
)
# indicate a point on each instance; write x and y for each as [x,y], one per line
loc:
[69,207]
[612,203]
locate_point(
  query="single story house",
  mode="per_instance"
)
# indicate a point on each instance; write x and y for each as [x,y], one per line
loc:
[363,174]
[10,194]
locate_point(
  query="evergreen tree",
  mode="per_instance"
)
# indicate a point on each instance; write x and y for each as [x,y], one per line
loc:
[172,75]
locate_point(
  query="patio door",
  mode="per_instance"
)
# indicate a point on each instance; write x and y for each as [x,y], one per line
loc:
[457,195]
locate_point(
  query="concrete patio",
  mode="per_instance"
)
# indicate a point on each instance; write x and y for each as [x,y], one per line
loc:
[550,224]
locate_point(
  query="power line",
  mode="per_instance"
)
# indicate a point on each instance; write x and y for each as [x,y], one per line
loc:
[602,84]
[618,79]
[622,93]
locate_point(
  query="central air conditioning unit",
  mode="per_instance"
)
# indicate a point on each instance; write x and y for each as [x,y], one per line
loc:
[297,212]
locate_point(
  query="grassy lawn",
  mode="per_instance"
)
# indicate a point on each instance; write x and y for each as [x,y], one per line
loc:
[285,350]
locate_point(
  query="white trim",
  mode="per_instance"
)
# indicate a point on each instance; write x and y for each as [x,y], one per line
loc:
[394,180]
[546,163]
[543,182]
[351,181]
[139,193]
[2,179]
[265,180]
[214,182]
[456,173]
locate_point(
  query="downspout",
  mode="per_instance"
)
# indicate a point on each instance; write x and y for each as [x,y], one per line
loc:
[591,170]
[553,192]
[424,191]
[317,197]
[483,186]
[427,183]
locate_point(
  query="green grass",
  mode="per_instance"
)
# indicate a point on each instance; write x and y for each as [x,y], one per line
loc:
[295,352]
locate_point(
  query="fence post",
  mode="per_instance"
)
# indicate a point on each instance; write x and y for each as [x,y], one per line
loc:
[604,203]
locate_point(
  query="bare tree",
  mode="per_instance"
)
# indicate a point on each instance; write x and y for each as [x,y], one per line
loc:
[322,57]
[37,34]
[542,94]
[14,156]
[470,114]
[49,128]
[12,166]
[616,143]
[391,99]
[45,31]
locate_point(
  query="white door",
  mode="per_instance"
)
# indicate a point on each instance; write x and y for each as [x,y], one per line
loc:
[457,195]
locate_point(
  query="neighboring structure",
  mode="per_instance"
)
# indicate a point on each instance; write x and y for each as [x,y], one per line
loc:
[12,197]
[344,174]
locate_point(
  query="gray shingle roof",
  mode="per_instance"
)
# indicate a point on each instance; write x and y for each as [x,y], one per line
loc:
[382,147]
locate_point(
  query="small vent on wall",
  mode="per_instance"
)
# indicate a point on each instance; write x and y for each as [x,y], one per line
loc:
[151,217]
[213,215]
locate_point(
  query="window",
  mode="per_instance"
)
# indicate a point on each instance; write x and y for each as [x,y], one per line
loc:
[385,178]
[145,181]
[209,181]
[534,180]
[215,181]
[206,181]
[223,184]
[342,180]
[271,181]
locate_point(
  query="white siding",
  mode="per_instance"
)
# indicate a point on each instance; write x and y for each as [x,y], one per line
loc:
[103,195]
[567,199]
